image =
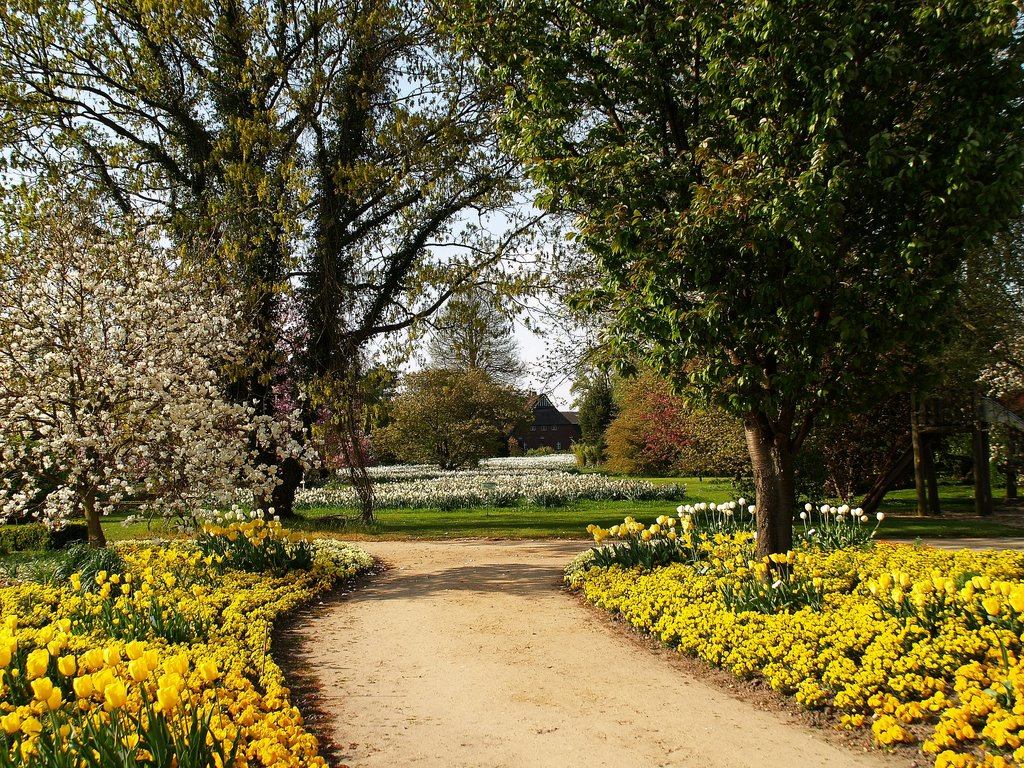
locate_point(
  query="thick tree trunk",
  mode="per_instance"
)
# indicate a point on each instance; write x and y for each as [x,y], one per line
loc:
[92,520]
[283,496]
[772,460]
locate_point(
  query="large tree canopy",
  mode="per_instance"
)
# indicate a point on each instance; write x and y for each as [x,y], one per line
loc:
[337,147]
[780,193]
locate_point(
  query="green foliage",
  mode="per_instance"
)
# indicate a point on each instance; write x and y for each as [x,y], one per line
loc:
[852,452]
[123,619]
[28,537]
[587,454]
[829,527]
[74,532]
[89,562]
[452,418]
[186,740]
[784,593]
[597,408]
[544,450]
[634,553]
[780,194]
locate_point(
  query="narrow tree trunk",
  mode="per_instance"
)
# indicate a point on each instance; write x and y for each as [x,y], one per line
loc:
[92,520]
[774,484]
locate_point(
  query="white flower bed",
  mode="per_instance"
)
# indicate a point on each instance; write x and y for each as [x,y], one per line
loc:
[554,461]
[419,487]
[558,462]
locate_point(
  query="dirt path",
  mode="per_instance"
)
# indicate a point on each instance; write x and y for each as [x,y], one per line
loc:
[467,654]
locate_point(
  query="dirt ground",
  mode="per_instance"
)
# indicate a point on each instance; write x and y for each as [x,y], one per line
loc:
[470,654]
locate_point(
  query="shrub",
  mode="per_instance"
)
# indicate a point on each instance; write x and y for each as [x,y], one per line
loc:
[656,432]
[29,537]
[68,534]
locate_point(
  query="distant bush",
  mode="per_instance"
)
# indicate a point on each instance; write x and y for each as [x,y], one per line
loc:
[544,450]
[587,455]
[36,537]
[657,433]
[30,537]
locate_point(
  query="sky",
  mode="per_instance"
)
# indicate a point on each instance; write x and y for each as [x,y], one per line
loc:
[538,359]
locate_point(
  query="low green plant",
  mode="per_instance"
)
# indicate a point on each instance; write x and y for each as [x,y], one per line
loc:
[88,562]
[633,553]
[840,527]
[150,738]
[782,592]
[124,619]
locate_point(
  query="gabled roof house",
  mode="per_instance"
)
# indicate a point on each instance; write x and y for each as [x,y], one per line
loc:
[550,427]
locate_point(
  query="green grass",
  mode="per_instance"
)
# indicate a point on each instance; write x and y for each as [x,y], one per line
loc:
[482,522]
[571,521]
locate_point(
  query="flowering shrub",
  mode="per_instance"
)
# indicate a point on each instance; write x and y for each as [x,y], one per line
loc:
[414,487]
[919,645]
[112,368]
[76,691]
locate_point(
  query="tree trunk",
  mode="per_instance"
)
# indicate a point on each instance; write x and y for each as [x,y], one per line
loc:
[775,497]
[92,520]
[283,496]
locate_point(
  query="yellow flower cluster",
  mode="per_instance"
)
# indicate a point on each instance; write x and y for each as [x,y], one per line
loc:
[257,530]
[905,640]
[70,686]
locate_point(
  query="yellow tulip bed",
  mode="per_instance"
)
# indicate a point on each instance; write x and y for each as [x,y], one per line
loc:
[165,664]
[922,646]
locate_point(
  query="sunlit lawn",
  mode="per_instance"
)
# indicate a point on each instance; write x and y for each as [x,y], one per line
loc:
[571,521]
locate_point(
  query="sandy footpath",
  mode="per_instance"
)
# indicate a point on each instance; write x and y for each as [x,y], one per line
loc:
[469,654]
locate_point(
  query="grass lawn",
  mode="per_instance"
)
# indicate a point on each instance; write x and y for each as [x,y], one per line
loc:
[571,521]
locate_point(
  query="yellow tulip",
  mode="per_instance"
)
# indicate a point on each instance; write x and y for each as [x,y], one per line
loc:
[1017,600]
[11,723]
[115,696]
[138,669]
[101,679]
[83,686]
[37,663]
[992,605]
[66,665]
[56,699]
[167,697]
[135,649]
[93,659]
[31,726]
[177,664]
[42,688]
[208,671]
[5,655]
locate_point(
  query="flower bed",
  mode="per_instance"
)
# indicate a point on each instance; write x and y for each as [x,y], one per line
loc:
[422,487]
[166,662]
[922,646]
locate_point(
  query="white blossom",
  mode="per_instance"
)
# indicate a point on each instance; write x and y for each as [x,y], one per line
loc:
[111,396]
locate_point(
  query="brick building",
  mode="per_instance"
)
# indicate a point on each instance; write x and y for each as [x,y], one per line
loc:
[550,428]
